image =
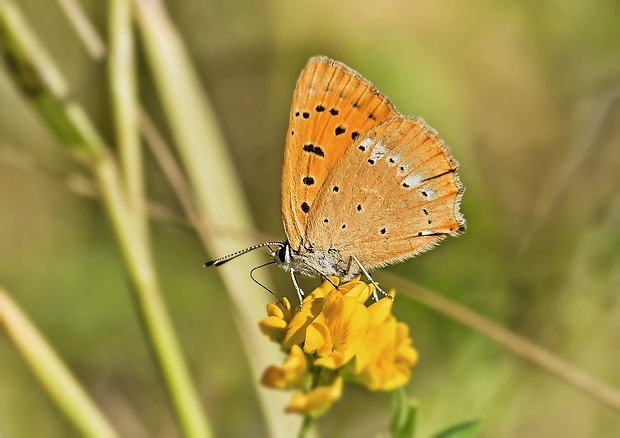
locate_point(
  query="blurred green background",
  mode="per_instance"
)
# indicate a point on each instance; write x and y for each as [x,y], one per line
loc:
[527,94]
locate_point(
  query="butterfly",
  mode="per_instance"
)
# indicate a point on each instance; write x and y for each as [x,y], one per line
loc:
[363,186]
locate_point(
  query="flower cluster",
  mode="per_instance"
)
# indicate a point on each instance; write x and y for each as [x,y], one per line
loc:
[335,338]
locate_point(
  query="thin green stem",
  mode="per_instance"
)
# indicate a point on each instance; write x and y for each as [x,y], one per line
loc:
[154,315]
[306,427]
[125,106]
[53,374]
[83,28]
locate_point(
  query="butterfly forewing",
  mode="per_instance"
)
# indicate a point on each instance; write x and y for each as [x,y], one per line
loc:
[332,107]
[393,194]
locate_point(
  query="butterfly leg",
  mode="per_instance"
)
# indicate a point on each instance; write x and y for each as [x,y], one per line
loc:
[300,292]
[368,276]
[326,278]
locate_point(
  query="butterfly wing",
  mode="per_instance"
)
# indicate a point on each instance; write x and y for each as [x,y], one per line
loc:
[332,106]
[393,194]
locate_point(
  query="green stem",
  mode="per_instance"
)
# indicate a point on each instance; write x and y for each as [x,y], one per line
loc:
[155,318]
[53,374]
[306,427]
[123,92]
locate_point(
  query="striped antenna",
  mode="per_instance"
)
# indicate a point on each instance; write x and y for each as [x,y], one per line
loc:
[222,260]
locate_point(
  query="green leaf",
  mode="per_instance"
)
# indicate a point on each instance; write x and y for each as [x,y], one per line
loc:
[469,429]
[404,416]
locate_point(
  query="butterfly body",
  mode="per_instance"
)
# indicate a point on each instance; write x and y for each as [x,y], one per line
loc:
[308,261]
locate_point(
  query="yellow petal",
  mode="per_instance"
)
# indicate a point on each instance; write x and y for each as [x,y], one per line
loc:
[347,320]
[333,360]
[274,328]
[378,312]
[317,335]
[358,290]
[362,358]
[280,309]
[392,378]
[292,374]
[408,355]
[327,287]
[405,352]
[275,325]
[296,333]
[317,401]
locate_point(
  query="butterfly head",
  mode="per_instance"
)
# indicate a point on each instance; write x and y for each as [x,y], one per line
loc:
[282,256]
[290,260]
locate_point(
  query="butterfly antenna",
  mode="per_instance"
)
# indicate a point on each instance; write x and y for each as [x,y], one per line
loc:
[258,282]
[220,261]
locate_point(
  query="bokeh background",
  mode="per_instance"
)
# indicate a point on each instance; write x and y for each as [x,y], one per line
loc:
[527,94]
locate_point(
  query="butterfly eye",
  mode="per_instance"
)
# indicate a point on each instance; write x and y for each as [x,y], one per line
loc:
[284,254]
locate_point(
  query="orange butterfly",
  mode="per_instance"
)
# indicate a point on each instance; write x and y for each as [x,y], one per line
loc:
[363,186]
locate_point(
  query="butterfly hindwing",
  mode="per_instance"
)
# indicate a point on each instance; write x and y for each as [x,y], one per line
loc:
[332,107]
[393,194]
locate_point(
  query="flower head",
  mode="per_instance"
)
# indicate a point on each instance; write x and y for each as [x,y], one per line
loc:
[334,338]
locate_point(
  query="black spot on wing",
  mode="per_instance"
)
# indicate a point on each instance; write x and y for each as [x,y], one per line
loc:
[314,149]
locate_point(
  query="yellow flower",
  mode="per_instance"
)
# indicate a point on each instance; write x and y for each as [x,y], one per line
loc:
[313,306]
[334,338]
